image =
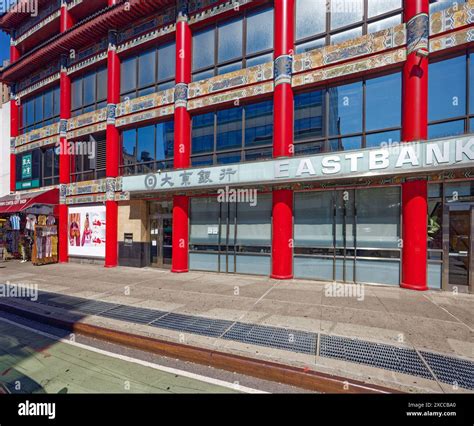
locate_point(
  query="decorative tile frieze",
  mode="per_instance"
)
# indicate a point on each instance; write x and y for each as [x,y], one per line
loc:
[450,40]
[418,33]
[328,73]
[351,49]
[456,16]
[283,69]
[88,187]
[111,113]
[62,127]
[82,54]
[84,131]
[62,193]
[232,95]
[37,134]
[143,103]
[73,3]
[110,189]
[86,199]
[231,80]
[122,196]
[144,116]
[87,119]
[54,140]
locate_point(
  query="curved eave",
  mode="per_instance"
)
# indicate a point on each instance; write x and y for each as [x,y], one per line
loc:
[92,28]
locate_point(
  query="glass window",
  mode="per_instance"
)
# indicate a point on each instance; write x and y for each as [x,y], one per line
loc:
[259,123]
[310,18]
[229,68]
[378,91]
[345,109]
[203,49]
[471,83]
[377,7]
[310,45]
[437,5]
[39,109]
[230,40]
[203,133]
[261,59]
[128,75]
[146,68]
[382,138]
[346,35]
[259,31]
[56,102]
[164,140]
[384,24]
[309,115]
[89,88]
[378,217]
[444,130]
[229,128]
[76,93]
[146,144]
[346,144]
[48,104]
[129,145]
[447,88]
[102,84]
[346,12]
[166,61]
[254,222]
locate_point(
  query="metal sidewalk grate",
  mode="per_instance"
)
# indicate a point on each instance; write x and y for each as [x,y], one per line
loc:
[133,314]
[402,360]
[273,337]
[453,371]
[191,324]
[93,307]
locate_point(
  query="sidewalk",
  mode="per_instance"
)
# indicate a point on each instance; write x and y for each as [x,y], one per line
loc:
[430,321]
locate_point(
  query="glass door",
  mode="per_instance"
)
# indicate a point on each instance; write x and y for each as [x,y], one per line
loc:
[460,235]
[227,237]
[344,235]
[161,241]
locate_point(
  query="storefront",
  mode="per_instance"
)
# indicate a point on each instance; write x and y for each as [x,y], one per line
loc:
[346,217]
[28,227]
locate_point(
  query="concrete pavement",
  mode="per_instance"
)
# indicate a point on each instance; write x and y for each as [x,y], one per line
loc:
[432,321]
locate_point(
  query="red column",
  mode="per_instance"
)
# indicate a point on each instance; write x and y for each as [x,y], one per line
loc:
[64,159]
[14,130]
[112,152]
[182,140]
[415,127]
[66,20]
[282,229]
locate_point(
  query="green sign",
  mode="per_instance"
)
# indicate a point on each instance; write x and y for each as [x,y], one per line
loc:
[26,166]
[27,184]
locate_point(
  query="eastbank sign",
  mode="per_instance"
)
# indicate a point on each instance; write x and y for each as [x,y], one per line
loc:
[402,158]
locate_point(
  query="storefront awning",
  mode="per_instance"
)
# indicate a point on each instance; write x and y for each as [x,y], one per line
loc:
[18,202]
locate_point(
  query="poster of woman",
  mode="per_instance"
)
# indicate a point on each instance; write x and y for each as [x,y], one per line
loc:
[87,231]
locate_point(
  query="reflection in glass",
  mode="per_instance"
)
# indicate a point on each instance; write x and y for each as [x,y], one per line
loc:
[345,109]
[229,128]
[146,68]
[444,130]
[346,35]
[257,60]
[310,45]
[259,31]
[346,12]
[382,139]
[203,133]
[128,75]
[203,49]
[383,24]
[259,123]
[378,7]
[346,144]
[310,18]
[230,40]
[88,83]
[166,61]
[146,144]
[309,115]
[379,90]
[447,88]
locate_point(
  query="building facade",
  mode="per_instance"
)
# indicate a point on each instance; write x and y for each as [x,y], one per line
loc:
[325,140]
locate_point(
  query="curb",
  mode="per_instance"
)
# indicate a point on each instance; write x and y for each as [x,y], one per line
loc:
[266,370]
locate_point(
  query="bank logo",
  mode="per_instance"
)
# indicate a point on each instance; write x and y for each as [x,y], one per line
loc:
[43,409]
[151,181]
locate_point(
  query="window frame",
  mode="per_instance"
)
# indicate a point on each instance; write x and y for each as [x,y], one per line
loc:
[214,68]
[98,103]
[329,32]
[23,128]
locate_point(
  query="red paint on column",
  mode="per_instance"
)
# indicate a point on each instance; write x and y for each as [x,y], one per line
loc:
[14,54]
[66,20]
[282,234]
[14,130]
[415,236]
[180,239]
[113,159]
[111,231]
[182,118]
[282,229]
[64,165]
[414,193]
